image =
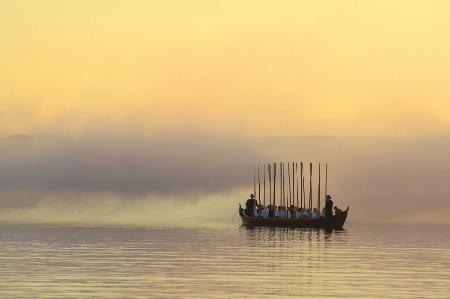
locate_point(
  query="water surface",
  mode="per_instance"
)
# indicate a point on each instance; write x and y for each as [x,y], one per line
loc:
[363,261]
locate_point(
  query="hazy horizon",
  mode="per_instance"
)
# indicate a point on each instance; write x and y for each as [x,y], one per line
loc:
[137,179]
[119,111]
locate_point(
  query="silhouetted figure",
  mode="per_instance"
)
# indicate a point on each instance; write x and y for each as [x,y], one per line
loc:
[250,206]
[272,211]
[328,207]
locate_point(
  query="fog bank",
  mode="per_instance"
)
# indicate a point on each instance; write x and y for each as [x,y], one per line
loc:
[160,180]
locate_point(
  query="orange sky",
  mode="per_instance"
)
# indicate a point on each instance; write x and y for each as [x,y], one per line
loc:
[248,67]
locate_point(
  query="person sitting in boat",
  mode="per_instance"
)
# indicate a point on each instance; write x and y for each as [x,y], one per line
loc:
[288,213]
[272,210]
[258,210]
[292,211]
[301,210]
[298,213]
[264,212]
[306,213]
[255,207]
[280,212]
[328,206]
[277,212]
[285,213]
[315,214]
[322,214]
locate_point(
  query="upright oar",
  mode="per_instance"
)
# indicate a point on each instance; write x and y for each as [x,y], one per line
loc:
[259,187]
[264,189]
[326,180]
[296,171]
[304,193]
[284,186]
[302,185]
[283,197]
[289,184]
[293,185]
[318,196]
[281,183]
[274,180]
[310,186]
[270,182]
[254,181]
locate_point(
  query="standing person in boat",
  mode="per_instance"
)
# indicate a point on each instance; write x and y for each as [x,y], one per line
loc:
[250,206]
[247,207]
[328,207]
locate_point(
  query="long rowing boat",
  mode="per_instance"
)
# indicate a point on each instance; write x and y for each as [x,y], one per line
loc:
[293,196]
[332,222]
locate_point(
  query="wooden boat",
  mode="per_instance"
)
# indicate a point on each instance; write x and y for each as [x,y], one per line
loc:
[333,222]
[293,196]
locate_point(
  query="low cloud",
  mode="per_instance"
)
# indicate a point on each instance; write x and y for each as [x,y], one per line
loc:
[126,165]
[117,178]
[382,179]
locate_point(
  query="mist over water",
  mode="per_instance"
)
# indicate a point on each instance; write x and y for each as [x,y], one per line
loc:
[152,217]
[202,178]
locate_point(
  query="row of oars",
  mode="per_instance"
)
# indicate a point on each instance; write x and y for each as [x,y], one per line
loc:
[296,191]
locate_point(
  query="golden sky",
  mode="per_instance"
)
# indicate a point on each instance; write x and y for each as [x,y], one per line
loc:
[250,67]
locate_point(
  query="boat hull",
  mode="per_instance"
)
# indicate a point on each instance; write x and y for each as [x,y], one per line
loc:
[333,222]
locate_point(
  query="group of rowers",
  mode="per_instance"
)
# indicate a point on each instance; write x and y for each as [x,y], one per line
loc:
[253,209]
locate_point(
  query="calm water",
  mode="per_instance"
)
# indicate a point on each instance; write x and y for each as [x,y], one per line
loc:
[116,262]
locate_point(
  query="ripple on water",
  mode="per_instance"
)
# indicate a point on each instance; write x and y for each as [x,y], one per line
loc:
[116,262]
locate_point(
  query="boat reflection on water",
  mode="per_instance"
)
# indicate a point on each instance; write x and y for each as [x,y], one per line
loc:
[365,261]
[284,236]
